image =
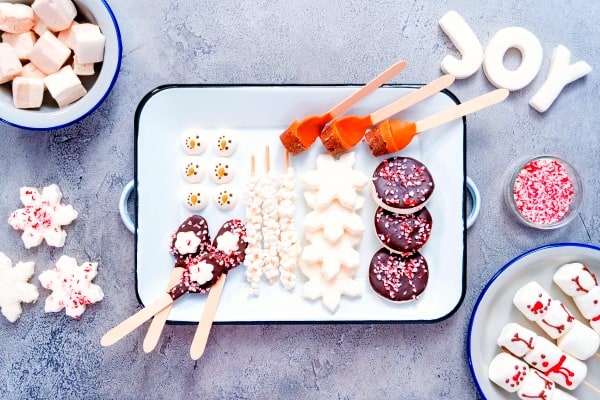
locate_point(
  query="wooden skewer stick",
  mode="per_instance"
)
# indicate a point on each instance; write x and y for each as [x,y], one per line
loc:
[252,166]
[267,159]
[589,385]
[130,324]
[159,320]
[286,161]
[207,318]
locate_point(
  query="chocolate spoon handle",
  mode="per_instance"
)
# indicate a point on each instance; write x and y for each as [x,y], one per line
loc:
[460,110]
[207,318]
[412,98]
[367,89]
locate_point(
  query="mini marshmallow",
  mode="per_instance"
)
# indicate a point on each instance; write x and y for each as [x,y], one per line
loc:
[516,339]
[193,169]
[580,341]
[27,92]
[536,385]
[589,304]
[563,369]
[532,300]
[575,279]
[64,86]
[21,42]
[195,197]
[10,66]
[465,40]
[56,14]
[82,69]
[89,45]
[531,58]
[49,54]
[29,70]
[508,372]
[16,18]
[561,73]
[557,321]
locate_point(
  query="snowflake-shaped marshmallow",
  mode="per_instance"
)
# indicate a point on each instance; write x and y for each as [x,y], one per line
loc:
[335,180]
[14,287]
[42,217]
[71,285]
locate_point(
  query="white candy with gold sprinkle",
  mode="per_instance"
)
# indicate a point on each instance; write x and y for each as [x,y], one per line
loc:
[194,142]
[225,144]
[195,197]
[193,169]
[225,197]
[222,170]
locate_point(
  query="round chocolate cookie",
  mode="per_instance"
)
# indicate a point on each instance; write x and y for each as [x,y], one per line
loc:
[398,278]
[402,233]
[402,185]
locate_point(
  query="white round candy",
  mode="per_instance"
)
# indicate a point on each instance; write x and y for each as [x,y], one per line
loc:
[195,197]
[508,372]
[222,170]
[225,145]
[193,169]
[580,341]
[532,300]
[194,142]
[575,279]
[225,197]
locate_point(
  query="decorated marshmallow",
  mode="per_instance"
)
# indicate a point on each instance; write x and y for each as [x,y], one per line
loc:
[195,197]
[508,372]
[10,65]
[27,92]
[467,43]
[575,279]
[49,54]
[15,17]
[193,169]
[589,303]
[221,170]
[580,341]
[225,145]
[516,339]
[537,386]
[532,300]
[65,86]
[531,58]
[193,142]
[557,321]
[56,14]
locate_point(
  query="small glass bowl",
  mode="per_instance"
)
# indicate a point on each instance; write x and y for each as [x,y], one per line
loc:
[544,192]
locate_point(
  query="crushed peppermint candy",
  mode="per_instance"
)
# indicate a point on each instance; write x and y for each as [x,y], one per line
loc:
[543,191]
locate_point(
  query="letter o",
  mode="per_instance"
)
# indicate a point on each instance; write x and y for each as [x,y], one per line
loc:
[531,58]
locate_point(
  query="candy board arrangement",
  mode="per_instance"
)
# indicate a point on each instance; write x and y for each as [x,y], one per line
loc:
[253,117]
[494,310]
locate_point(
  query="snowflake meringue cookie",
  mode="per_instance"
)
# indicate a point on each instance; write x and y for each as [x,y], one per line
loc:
[42,217]
[71,285]
[193,142]
[14,287]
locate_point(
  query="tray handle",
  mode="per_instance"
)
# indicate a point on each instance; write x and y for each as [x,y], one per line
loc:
[123,200]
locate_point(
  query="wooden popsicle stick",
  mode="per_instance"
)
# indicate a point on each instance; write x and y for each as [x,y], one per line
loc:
[367,89]
[159,320]
[124,328]
[206,320]
[412,98]
[460,110]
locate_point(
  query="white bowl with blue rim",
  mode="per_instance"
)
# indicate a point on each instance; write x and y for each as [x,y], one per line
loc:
[98,86]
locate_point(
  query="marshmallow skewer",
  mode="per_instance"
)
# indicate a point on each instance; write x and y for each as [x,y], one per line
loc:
[300,135]
[572,336]
[190,239]
[345,133]
[579,282]
[289,248]
[254,254]
[544,356]
[270,223]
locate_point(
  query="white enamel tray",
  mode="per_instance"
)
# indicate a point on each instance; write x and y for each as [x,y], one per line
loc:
[494,309]
[256,115]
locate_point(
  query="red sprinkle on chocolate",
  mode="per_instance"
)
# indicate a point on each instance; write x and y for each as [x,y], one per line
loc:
[543,191]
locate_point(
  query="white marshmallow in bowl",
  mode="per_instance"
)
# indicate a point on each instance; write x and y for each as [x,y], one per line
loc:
[64,86]
[15,18]
[88,44]
[28,92]
[10,66]
[49,54]
[21,42]
[57,15]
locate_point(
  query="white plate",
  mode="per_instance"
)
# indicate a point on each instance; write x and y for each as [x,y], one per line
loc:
[257,115]
[494,309]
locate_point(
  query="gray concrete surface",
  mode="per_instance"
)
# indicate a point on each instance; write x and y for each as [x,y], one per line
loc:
[51,356]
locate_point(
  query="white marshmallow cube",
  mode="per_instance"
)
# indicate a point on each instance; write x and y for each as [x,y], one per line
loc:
[67,36]
[16,18]
[575,279]
[56,14]
[39,27]
[10,66]
[589,303]
[557,321]
[27,92]
[65,86]
[532,300]
[580,341]
[21,42]
[29,70]
[536,385]
[508,372]
[82,69]
[516,339]
[49,54]
[89,45]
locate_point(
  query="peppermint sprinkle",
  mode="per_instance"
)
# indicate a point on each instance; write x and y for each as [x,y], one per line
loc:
[543,191]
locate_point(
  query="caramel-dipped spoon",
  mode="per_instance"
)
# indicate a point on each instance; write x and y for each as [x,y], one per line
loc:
[393,136]
[300,135]
[345,133]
